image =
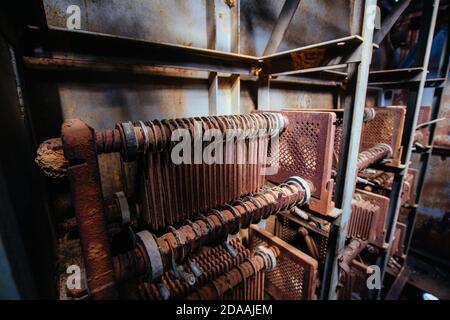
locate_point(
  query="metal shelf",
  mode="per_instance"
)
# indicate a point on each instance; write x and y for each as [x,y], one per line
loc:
[145,55]
[395,77]
[415,79]
[121,50]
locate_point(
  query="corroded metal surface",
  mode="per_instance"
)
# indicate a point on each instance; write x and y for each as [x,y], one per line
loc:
[179,243]
[363,220]
[79,148]
[306,151]
[422,135]
[50,158]
[295,276]
[379,228]
[373,155]
[386,127]
[398,244]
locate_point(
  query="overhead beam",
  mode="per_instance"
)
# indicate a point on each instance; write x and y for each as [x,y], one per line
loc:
[284,19]
[390,20]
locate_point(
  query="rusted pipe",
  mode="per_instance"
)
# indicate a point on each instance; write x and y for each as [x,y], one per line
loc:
[153,257]
[78,141]
[310,243]
[132,138]
[373,155]
[237,275]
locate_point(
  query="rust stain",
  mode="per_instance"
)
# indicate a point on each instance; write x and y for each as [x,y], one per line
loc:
[308,59]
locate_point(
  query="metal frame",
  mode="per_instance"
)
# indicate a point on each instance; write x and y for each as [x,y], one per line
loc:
[443,71]
[352,128]
[416,80]
[353,52]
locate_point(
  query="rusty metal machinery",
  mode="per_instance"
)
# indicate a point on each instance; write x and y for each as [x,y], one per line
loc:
[381,182]
[306,150]
[216,275]
[172,192]
[205,219]
[176,245]
[378,227]
[399,240]
[355,280]
[186,211]
[422,134]
[367,223]
[354,276]
[387,128]
[295,275]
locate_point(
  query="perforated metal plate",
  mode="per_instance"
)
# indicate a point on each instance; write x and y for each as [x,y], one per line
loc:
[295,276]
[306,150]
[287,230]
[386,127]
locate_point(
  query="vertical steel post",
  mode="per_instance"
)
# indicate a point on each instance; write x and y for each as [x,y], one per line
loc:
[414,104]
[351,148]
[390,20]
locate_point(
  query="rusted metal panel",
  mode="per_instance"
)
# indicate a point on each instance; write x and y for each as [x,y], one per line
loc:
[432,231]
[178,22]
[316,21]
[295,276]
[306,151]
[104,104]
[386,127]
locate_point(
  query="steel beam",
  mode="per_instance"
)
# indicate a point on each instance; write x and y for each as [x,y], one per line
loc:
[390,20]
[114,49]
[350,148]
[284,19]
[431,9]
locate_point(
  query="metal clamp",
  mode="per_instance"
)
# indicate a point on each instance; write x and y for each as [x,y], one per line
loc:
[195,268]
[272,260]
[229,248]
[156,268]
[122,201]
[129,141]
[164,292]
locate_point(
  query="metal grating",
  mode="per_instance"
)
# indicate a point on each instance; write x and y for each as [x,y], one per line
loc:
[386,127]
[306,151]
[287,230]
[295,276]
